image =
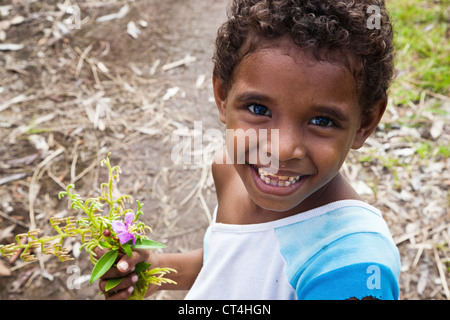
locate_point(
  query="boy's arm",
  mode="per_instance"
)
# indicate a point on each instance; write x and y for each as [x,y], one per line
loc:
[358,266]
[187,264]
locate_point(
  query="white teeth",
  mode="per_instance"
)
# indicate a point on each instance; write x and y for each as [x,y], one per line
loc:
[277,180]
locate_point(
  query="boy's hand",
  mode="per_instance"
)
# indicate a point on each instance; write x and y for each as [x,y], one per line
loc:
[124,269]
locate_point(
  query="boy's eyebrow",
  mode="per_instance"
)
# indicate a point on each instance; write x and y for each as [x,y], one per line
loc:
[333,112]
[252,97]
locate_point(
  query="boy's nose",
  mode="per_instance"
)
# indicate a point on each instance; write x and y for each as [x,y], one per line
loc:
[287,145]
[290,149]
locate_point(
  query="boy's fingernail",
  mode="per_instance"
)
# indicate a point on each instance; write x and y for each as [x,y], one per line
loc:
[134,278]
[123,265]
[130,289]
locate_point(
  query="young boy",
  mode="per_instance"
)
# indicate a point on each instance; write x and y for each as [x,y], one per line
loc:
[317,72]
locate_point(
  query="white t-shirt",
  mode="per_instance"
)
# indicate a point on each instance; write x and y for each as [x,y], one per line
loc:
[338,251]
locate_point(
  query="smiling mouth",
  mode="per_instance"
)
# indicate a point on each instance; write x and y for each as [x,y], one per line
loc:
[277,180]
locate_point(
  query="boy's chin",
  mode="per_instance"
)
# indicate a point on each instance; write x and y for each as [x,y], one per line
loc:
[275,206]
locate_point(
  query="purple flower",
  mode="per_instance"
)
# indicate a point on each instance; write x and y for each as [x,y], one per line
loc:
[125,230]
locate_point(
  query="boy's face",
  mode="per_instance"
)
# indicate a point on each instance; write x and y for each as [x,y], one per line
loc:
[314,106]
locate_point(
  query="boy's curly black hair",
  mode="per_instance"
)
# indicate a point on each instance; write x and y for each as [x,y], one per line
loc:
[328,28]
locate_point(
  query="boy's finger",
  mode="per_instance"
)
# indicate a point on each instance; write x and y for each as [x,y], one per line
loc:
[128,281]
[120,295]
[126,263]
[115,273]
[99,252]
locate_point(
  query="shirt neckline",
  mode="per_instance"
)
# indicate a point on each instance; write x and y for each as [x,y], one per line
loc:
[303,216]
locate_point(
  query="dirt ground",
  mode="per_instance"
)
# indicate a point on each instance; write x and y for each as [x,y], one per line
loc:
[133,84]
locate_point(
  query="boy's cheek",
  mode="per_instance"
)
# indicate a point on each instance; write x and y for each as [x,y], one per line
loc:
[238,146]
[329,158]
[244,146]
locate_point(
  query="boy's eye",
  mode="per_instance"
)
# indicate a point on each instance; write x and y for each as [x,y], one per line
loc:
[322,122]
[259,110]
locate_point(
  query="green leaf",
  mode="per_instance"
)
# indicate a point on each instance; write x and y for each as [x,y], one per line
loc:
[142,266]
[105,245]
[126,247]
[112,283]
[103,265]
[139,211]
[147,244]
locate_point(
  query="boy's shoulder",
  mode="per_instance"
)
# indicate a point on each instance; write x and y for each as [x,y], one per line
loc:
[344,240]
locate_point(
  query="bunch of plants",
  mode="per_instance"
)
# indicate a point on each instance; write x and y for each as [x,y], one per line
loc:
[107,223]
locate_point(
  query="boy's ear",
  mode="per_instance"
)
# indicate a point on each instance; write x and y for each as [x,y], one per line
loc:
[369,123]
[220,96]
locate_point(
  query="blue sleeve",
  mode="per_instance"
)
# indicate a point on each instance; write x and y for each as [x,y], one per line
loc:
[353,281]
[355,266]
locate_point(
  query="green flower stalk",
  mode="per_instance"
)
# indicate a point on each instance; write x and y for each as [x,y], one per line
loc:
[107,224]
